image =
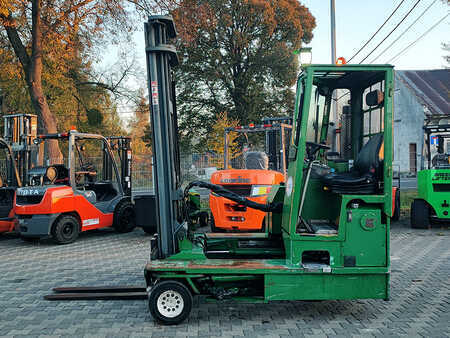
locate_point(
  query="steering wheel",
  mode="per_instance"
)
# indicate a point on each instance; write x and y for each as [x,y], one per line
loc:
[312,148]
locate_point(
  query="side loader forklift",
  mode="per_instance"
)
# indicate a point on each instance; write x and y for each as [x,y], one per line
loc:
[328,233]
[433,202]
[15,148]
[87,193]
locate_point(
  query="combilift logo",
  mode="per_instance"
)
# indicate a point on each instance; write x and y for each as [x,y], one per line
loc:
[235,180]
[441,176]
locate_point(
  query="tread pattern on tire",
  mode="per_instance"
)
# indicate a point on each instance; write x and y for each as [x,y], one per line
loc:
[57,228]
[420,214]
[120,209]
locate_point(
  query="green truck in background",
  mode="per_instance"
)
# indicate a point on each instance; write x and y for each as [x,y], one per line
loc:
[433,202]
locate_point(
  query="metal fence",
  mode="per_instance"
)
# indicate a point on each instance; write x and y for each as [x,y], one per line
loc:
[193,167]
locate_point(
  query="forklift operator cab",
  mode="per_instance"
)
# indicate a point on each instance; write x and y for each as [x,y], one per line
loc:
[87,194]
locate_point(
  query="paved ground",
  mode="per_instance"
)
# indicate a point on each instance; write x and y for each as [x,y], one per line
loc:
[419,306]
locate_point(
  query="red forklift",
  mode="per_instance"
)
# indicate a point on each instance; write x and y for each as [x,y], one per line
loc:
[251,175]
[15,157]
[84,191]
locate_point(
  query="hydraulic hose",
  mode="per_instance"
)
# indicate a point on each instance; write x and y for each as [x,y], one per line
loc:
[241,200]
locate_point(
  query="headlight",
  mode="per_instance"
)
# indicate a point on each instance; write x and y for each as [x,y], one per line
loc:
[51,173]
[260,190]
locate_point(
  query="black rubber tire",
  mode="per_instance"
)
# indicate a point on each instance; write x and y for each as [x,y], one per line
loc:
[149,230]
[213,224]
[30,239]
[163,287]
[420,214]
[203,219]
[124,217]
[66,229]
[396,215]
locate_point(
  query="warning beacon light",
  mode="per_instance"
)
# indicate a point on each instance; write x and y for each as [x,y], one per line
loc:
[341,61]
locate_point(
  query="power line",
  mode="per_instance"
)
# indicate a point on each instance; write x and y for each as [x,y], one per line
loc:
[385,22]
[415,41]
[426,10]
[392,31]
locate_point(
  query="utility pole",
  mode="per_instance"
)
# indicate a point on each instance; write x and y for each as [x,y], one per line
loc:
[333,61]
[333,31]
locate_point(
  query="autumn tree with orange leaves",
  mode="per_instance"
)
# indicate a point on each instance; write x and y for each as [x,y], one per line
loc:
[236,56]
[56,35]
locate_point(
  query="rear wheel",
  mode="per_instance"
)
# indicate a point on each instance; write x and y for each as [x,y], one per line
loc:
[170,302]
[396,214]
[213,225]
[124,217]
[149,230]
[420,214]
[30,239]
[203,219]
[66,229]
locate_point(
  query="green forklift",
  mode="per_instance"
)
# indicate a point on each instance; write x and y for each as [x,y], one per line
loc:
[308,251]
[433,202]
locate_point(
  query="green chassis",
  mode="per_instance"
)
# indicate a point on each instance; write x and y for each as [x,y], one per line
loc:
[358,261]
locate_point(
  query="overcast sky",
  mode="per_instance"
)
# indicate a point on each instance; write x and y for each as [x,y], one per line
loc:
[357,20]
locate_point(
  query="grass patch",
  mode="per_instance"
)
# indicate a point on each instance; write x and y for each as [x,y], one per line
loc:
[406,198]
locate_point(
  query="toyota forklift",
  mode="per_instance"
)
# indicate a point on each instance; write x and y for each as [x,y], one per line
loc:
[433,202]
[15,154]
[84,191]
[328,233]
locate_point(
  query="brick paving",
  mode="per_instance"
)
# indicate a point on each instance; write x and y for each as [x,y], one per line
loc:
[419,304]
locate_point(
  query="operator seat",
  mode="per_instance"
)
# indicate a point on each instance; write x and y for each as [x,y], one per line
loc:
[365,174]
[256,160]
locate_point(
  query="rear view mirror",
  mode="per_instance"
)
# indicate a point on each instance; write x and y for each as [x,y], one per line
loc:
[374,98]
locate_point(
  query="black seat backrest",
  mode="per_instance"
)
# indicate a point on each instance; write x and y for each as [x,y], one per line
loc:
[256,160]
[368,160]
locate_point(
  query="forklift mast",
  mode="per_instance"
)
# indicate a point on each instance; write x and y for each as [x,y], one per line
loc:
[121,144]
[19,132]
[278,159]
[161,57]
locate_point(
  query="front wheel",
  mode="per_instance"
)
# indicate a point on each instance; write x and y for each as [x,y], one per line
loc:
[124,217]
[203,219]
[420,215]
[170,302]
[66,229]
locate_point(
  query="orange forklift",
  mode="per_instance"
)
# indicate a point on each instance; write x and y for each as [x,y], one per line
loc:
[253,179]
[88,192]
[15,160]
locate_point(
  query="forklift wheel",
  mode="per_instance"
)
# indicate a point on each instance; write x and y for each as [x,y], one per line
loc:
[420,215]
[30,239]
[170,302]
[203,219]
[396,214]
[66,229]
[124,217]
[213,225]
